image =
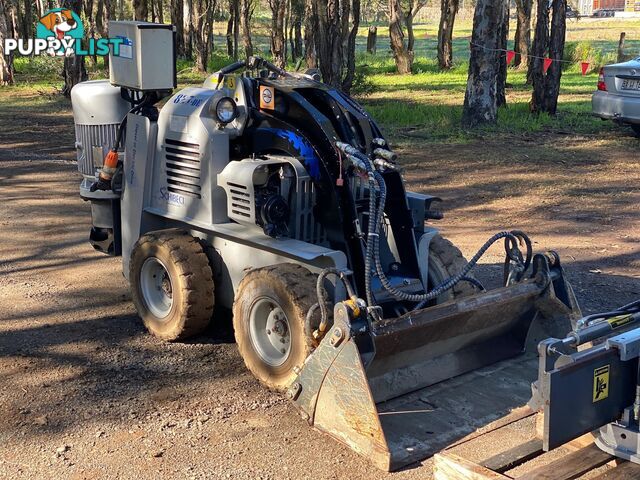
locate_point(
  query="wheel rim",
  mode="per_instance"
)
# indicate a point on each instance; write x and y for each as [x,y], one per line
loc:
[269,331]
[156,287]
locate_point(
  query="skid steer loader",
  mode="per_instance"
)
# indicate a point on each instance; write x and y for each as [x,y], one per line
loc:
[272,194]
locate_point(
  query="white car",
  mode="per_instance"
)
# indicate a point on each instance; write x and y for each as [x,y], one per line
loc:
[618,94]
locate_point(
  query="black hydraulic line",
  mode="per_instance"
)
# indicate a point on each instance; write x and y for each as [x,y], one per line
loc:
[320,292]
[600,329]
[475,282]
[371,231]
[444,286]
[374,239]
[629,308]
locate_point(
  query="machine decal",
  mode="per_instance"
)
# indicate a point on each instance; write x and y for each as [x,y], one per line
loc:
[267,98]
[192,100]
[230,81]
[171,198]
[306,153]
[620,320]
[126,48]
[600,383]
[178,123]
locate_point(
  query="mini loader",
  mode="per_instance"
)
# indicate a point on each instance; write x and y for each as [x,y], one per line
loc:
[274,195]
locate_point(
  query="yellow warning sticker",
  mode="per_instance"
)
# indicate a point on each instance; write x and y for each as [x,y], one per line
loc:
[267,97]
[620,320]
[600,383]
[230,82]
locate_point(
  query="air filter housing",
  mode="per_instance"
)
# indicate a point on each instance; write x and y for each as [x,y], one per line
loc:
[98,109]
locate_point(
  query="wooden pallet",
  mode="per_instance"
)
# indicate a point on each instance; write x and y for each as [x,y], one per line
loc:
[576,459]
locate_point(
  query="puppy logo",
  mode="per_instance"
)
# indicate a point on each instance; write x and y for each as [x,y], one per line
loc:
[63,25]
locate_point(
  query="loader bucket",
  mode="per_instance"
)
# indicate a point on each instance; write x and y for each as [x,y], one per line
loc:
[368,390]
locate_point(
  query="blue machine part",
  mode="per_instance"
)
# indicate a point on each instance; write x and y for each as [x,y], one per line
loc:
[306,153]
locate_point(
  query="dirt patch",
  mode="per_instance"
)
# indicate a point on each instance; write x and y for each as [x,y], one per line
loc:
[88,394]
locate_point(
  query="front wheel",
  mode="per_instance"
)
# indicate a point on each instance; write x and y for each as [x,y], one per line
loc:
[636,129]
[269,314]
[171,284]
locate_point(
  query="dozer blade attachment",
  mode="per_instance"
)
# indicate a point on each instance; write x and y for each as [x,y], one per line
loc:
[363,387]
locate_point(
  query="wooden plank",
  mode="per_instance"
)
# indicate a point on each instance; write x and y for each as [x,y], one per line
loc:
[515,415]
[514,456]
[447,466]
[580,442]
[570,466]
[623,471]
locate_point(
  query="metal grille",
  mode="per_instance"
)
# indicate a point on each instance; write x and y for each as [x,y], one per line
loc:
[306,228]
[242,201]
[92,143]
[182,161]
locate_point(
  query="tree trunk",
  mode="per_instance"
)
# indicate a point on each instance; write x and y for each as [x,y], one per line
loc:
[523,32]
[236,27]
[74,70]
[372,37]
[310,29]
[103,13]
[6,61]
[246,12]
[160,12]
[232,29]
[202,29]
[411,38]
[503,37]
[449,9]
[297,37]
[287,21]
[140,9]
[229,35]
[188,29]
[621,55]
[295,29]
[177,19]
[480,105]
[28,19]
[347,83]
[40,8]
[402,56]
[556,51]
[538,50]
[329,40]
[278,10]
[89,26]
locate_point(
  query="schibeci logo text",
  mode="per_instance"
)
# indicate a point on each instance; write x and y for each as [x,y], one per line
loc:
[61,32]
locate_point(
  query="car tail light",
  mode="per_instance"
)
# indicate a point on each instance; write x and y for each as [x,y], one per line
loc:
[601,84]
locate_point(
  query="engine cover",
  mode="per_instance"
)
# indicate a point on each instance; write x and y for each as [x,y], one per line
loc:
[273,193]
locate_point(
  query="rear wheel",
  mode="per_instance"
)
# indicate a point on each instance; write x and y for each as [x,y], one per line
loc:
[171,284]
[269,321]
[445,261]
[636,129]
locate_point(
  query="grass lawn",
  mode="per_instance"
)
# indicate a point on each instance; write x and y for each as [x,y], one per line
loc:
[426,105]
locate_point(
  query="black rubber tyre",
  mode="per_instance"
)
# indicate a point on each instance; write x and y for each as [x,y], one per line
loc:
[446,260]
[636,129]
[291,288]
[186,283]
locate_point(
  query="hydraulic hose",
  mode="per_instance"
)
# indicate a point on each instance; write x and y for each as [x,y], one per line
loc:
[371,232]
[376,217]
[447,284]
[322,304]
